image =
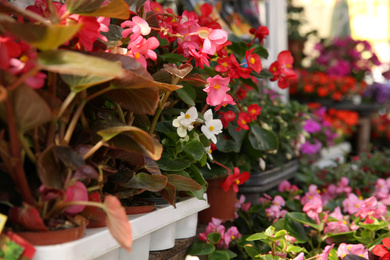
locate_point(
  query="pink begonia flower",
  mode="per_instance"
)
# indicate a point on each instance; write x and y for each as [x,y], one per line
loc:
[201,59]
[290,239]
[246,206]
[300,256]
[355,249]
[136,26]
[285,185]
[215,226]
[279,201]
[336,227]
[381,189]
[76,192]
[274,212]
[216,90]
[325,253]
[17,66]
[352,204]
[142,49]
[228,100]
[312,193]
[371,209]
[203,236]
[342,186]
[212,39]
[240,201]
[230,235]
[313,207]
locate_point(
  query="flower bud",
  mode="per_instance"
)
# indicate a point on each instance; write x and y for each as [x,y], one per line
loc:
[262,164]
[288,156]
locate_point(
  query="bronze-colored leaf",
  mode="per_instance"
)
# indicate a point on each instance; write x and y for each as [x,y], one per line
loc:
[139,101]
[169,194]
[182,183]
[30,109]
[128,156]
[82,6]
[69,157]
[151,166]
[145,181]
[48,170]
[180,72]
[114,9]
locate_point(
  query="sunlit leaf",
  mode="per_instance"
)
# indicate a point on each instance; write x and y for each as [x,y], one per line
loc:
[79,83]
[76,63]
[82,6]
[41,36]
[114,9]
[117,222]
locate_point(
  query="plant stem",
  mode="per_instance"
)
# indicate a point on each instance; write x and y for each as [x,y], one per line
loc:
[220,164]
[18,174]
[73,122]
[93,149]
[158,112]
[120,112]
[22,78]
[65,104]
[26,148]
[100,92]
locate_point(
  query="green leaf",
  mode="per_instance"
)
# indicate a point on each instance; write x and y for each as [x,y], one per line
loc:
[187,94]
[140,180]
[173,57]
[261,51]
[251,250]
[114,33]
[295,229]
[303,218]
[30,109]
[200,248]
[79,83]
[343,236]
[194,149]
[376,225]
[40,36]
[182,183]
[177,164]
[257,236]
[295,249]
[214,237]
[219,255]
[114,9]
[262,139]
[76,63]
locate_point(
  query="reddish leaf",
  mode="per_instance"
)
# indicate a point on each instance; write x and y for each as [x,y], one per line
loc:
[117,222]
[169,194]
[180,72]
[48,170]
[28,218]
[182,183]
[51,194]
[85,172]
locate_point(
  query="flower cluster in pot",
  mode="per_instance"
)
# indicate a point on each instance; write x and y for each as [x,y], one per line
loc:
[340,69]
[319,220]
[92,105]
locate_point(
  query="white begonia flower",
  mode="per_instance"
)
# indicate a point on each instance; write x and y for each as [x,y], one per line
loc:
[211,127]
[184,122]
[209,152]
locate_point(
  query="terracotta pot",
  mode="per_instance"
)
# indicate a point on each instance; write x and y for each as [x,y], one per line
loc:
[44,238]
[140,206]
[222,204]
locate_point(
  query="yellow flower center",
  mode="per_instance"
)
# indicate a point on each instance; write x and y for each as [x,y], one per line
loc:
[253,60]
[224,64]
[274,69]
[360,197]
[173,20]
[243,122]
[237,182]
[211,128]
[288,66]
[276,203]
[216,86]
[137,56]
[253,111]
[356,205]
[210,151]
[24,58]
[187,116]
[233,237]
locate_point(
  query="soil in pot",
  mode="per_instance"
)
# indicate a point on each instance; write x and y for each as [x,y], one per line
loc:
[137,205]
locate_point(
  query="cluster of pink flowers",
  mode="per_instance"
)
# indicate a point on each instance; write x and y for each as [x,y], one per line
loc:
[215,226]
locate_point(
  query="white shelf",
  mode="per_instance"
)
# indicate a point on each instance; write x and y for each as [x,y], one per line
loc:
[99,244]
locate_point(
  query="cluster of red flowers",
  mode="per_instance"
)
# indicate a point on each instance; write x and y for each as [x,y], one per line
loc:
[322,85]
[244,118]
[380,126]
[342,120]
